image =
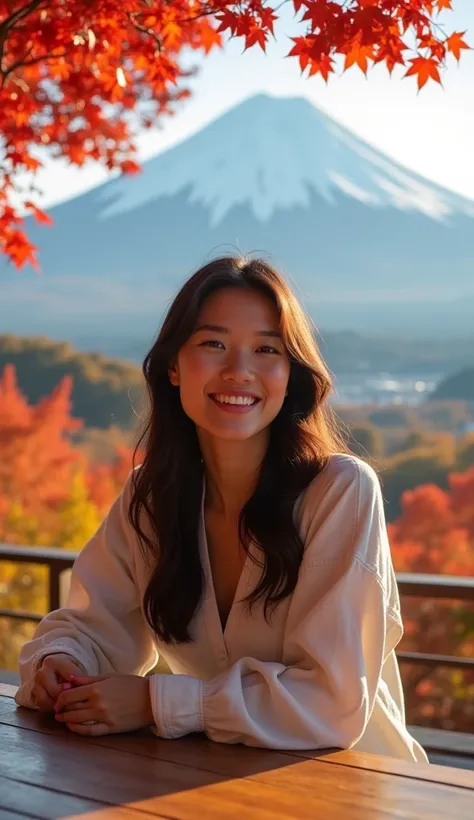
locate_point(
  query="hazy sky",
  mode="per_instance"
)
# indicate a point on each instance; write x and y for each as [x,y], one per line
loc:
[431,132]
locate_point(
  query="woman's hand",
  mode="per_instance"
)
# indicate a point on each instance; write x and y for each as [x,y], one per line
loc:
[50,678]
[109,704]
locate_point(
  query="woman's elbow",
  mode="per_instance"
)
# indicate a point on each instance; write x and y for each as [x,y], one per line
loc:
[350,727]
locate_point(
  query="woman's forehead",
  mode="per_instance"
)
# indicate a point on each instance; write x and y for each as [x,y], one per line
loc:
[233,307]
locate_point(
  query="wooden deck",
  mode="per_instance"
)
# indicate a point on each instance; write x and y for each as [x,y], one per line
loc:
[47,772]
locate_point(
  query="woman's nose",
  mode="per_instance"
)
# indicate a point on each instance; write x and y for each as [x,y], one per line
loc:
[238,368]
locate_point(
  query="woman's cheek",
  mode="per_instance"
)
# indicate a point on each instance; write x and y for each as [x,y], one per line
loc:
[200,365]
[195,374]
[279,375]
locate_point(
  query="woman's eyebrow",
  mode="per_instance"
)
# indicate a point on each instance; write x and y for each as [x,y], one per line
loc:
[212,329]
[275,334]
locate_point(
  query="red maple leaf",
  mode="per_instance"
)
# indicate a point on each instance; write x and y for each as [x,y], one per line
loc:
[455,44]
[424,68]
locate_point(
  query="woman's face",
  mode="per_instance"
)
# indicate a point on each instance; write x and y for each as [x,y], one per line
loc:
[233,371]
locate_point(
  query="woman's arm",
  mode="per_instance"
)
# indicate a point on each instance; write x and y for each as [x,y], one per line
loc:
[334,647]
[101,626]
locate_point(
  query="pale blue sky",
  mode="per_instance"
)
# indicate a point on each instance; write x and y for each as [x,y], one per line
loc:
[431,132]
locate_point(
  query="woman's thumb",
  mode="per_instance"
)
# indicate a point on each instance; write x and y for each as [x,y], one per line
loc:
[83,680]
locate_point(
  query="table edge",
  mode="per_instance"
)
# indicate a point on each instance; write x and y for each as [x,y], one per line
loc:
[424,772]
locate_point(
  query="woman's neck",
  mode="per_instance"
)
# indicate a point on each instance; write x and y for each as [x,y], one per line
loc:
[232,469]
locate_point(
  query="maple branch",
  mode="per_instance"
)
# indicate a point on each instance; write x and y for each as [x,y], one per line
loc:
[200,15]
[18,15]
[283,3]
[132,16]
[7,24]
[34,60]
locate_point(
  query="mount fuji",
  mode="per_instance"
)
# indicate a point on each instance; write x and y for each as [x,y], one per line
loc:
[369,245]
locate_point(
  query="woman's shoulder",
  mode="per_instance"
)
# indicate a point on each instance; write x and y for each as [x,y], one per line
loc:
[342,472]
[330,507]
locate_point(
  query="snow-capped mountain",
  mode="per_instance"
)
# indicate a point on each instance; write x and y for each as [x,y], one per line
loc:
[369,244]
[271,154]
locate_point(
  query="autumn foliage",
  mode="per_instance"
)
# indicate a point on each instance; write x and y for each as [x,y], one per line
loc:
[41,470]
[81,79]
[50,495]
[435,534]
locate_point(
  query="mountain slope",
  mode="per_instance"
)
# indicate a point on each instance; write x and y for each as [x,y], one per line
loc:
[369,244]
[271,154]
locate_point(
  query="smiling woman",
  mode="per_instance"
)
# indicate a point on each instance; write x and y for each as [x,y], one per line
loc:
[249,549]
[232,380]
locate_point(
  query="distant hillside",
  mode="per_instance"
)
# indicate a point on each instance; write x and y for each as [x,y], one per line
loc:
[459,386]
[366,352]
[106,391]
[345,352]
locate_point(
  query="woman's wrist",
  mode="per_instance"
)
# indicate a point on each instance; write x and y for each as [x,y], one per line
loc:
[148,709]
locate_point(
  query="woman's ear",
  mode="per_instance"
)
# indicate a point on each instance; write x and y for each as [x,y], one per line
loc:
[173,375]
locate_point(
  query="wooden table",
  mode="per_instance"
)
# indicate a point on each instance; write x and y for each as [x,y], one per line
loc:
[47,772]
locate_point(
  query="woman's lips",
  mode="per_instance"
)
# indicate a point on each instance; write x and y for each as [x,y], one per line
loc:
[234,408]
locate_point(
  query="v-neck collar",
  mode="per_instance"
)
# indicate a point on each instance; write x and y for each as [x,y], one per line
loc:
[222,635]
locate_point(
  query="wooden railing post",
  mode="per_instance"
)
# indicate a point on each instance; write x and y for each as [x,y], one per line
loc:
[59,563]
[54,579]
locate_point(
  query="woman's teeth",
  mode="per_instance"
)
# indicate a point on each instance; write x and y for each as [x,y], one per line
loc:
[222,399]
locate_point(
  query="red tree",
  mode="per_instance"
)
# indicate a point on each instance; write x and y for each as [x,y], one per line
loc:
[435,534]
[37,459]
[81,78]
[106,481]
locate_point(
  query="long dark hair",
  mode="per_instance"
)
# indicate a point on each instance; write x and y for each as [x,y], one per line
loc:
[167,488]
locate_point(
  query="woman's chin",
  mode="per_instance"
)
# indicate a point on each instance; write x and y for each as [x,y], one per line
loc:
[229,432]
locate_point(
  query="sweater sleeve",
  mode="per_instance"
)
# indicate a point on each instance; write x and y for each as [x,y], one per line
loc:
[102,625]
[335,644]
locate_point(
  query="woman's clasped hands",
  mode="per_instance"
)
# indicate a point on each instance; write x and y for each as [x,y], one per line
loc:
[88,705]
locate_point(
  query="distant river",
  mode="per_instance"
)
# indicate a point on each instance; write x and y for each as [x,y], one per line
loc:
[384,388]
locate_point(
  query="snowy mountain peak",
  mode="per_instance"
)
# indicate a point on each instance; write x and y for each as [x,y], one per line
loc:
[274,153]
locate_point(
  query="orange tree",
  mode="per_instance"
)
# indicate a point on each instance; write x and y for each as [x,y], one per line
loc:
[435,534]
[49,495]
[38,459]
[80,78]
[105,481]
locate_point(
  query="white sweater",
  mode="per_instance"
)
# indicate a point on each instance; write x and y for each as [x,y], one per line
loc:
[322,674]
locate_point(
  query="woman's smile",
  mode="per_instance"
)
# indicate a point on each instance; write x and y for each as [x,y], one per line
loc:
[233,402]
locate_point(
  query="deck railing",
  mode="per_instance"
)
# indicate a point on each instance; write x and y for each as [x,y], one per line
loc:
[445,587]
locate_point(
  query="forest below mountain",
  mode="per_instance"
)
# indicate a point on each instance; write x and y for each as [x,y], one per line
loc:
[108,392]
[105,391]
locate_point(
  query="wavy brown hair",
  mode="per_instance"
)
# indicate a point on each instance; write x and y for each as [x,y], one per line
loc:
[167,487]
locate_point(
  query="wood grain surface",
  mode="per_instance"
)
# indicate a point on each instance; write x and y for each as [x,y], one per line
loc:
[47,772]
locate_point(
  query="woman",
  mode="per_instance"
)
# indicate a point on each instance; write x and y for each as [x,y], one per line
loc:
[248,550]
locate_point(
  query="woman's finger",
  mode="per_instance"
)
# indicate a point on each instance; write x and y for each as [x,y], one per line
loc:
[46,678]
[91,731]
[41,698]
[73,707]
[67,698]
[76,716]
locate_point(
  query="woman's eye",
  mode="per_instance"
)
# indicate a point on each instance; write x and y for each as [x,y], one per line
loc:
[215,343]
[268,349]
